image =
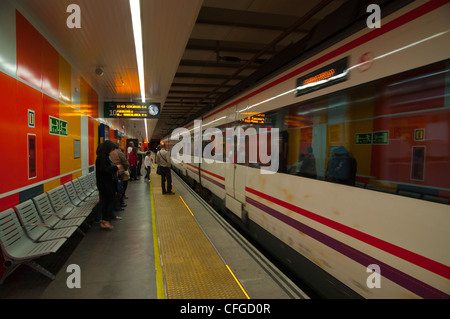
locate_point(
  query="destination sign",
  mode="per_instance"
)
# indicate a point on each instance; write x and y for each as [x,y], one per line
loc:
[132,110]
[328,75]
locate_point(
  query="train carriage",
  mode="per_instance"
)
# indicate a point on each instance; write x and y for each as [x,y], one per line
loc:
[363,179]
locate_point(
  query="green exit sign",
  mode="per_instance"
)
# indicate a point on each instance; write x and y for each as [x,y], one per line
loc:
[375,138]
[363,138]
[381,137]
[58,127]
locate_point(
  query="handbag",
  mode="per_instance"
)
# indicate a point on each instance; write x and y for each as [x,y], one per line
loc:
[126,175]
[158,170]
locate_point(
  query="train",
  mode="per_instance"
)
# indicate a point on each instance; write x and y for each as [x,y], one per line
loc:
[358,206]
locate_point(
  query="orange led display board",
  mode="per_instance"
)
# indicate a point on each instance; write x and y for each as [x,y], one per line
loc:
[323,77]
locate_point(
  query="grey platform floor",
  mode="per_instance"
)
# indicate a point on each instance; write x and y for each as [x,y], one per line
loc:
[120,264]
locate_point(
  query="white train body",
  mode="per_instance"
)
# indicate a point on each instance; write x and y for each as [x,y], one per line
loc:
[344,229]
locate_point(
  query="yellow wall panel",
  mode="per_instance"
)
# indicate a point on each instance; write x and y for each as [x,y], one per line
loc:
[50,185]
[65,92]
[68,162]
[76,175]
[84,96]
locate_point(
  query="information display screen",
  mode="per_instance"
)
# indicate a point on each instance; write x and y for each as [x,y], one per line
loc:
[132,110]
[323,77]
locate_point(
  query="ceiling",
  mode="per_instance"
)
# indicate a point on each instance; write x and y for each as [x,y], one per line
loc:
[194,51]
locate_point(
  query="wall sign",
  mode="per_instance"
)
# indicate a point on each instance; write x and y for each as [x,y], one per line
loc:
[363,138]
[132,110]
[375,138]
[419,134]
[380,138]
[31,119]
[57,126]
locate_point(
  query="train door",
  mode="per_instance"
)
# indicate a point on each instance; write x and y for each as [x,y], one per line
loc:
[235,178]
[229,178]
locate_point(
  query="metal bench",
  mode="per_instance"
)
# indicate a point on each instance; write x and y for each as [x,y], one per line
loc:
[93,180]
[18,249]
[76,199]
[87,186]
[62,204]
[35,227]
[83,195]
[51,217]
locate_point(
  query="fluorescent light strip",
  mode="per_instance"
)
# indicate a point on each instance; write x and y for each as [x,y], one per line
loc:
[146,134]
[135,7]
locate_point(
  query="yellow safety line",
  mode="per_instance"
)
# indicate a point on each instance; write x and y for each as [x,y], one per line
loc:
[242,288]
[187,206]
[159,275]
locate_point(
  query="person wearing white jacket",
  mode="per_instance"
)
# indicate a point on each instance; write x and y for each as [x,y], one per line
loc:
[148,162]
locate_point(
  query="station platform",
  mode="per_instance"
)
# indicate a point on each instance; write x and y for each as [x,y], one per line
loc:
[165,247]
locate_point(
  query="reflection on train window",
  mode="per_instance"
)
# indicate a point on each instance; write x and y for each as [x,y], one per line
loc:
[373,136]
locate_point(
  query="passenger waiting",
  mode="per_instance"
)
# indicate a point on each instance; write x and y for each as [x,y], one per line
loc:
[106,172]
[132,159]
[163,160]
[148,165]
[125,176]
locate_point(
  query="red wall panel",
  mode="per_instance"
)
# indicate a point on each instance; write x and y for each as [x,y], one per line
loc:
[65,179]
[29,64]
[9,130]
[50,69]
[27,98]
[93,102]
[9,201]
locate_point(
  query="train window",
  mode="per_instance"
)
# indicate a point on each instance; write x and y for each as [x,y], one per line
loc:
[390,135]
[258,147]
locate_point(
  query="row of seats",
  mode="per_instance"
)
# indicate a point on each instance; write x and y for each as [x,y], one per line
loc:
[41,225]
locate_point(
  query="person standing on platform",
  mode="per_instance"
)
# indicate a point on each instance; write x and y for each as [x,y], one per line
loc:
[130,148]
[163,160]
[106,172]
[125,176]
[140,159]
[114,156]
[148,165]
[132,159]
